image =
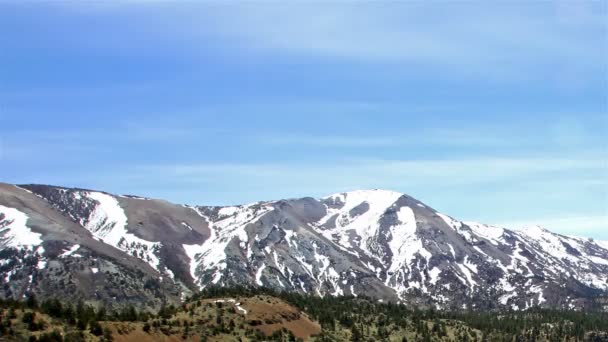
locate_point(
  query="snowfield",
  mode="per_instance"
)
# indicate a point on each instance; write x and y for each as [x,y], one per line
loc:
[14,230]
[108,223]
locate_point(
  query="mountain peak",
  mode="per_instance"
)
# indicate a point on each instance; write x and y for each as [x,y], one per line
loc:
[367,193]
[534,230]
[373,242]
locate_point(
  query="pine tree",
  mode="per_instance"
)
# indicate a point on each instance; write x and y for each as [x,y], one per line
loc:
[31,301]
[355,334]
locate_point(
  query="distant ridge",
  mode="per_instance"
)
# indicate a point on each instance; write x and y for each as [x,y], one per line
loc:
[76,243]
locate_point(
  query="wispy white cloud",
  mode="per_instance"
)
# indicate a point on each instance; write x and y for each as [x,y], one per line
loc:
[501,40]
[566,136]
[366,173]
[505,40]
[79,92]
[455,137]
[564,131]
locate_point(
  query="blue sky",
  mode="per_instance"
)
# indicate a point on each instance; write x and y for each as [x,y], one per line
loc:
[489,112]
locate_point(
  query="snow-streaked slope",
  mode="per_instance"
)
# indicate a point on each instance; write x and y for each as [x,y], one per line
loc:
[70,251]
[353,221]
[450,221]
[14,231]
[567,254]
[550,243]
[108,222]
[405,247]
[230,224]
[364,225]
[473,231]
[378,243]
[404,244]
[383,234]
[532,252]
[492,233]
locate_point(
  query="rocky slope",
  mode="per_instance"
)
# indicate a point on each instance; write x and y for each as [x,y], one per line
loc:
[124,249]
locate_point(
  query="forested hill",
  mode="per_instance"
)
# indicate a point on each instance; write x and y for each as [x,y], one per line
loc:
[260,314]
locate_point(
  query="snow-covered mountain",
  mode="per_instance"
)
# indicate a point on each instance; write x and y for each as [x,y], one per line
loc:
[71,242]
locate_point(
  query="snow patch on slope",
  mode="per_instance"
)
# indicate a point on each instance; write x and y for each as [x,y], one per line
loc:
[450,221]
[108,222]
[14,229]
[70,251]
[434,275]
[404,244]
[603,244]
[468,268]
[538,290]
[504,299]
[258,275]
[492,233]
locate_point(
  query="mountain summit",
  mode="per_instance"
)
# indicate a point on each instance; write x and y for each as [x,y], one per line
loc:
[76,243]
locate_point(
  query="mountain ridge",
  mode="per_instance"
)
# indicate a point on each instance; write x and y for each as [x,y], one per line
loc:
[378,243]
